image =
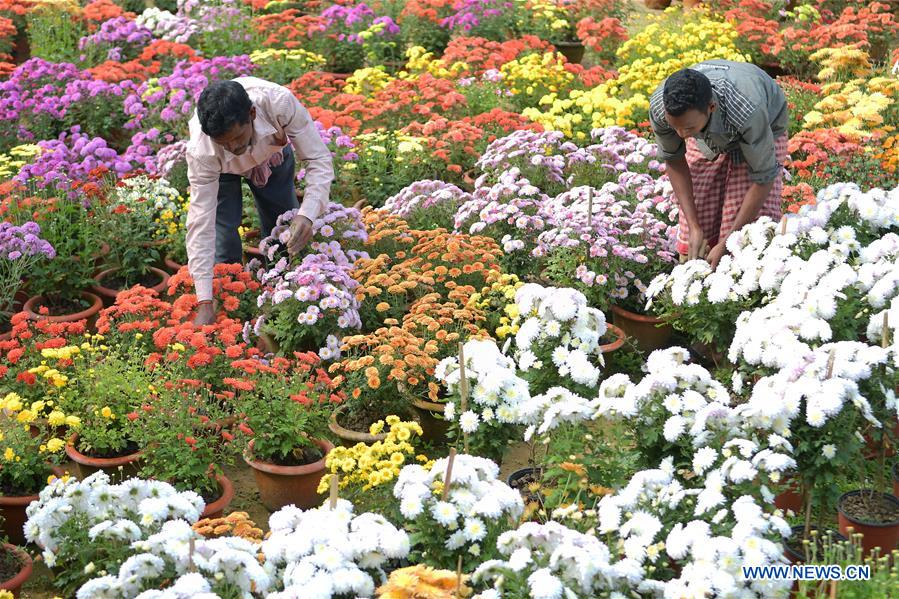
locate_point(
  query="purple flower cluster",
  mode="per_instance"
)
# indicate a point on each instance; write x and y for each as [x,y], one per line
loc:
[171,100]
[338,223]
[170,156]
[122,36]
[40,91]
[426,194]
[546,151]
[346,22]
[470,14]
[71,158]
[512,211]
[24,240]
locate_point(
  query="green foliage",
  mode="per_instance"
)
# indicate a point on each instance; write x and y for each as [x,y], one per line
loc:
[53,34]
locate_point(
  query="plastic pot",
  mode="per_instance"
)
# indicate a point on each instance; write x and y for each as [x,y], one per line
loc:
[875,534]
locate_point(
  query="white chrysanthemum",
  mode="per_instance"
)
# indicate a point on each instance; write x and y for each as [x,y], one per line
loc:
[468,421]
[445,513]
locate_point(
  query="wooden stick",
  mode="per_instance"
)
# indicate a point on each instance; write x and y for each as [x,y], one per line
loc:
[783,225]
[449,473]
[833,589]
[830,361]
[191,567]
[459,578]
[334,485]
[885,337]
[590,208]
[463,393]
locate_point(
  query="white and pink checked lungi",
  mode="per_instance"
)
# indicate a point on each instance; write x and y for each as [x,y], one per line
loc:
[719,187]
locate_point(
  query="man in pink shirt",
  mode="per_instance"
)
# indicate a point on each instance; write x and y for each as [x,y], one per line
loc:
[241,130]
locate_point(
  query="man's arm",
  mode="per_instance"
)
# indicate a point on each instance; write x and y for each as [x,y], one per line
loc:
[204,184]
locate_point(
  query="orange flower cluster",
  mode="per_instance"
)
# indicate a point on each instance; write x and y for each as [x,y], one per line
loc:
[454,260]
[237,524]
[136,310]
[234,288]
[113,71]
[315,89]
[288,29]
[430,10]
[446,320]
[812,152]
[23,350]
[99,11]
[162,49]
[601,36]
[387,233]
[481,54]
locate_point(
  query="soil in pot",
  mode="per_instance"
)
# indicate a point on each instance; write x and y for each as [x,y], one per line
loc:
[148,280]
[873,515]
[520,480]
[794,547]
[10,563]
[62,306]
[299,457]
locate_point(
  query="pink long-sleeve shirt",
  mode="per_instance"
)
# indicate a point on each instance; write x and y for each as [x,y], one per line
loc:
[279,117]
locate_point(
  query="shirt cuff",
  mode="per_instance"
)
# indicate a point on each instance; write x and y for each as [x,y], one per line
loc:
[309,209]
[203,288]
[666,156]
[766,176]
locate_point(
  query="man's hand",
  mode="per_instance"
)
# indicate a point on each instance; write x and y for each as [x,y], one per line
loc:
[300,234]
[695,242]
[715,254]
[205,314]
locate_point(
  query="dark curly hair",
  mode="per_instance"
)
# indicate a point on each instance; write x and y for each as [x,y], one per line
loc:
[686,89]
[222,105]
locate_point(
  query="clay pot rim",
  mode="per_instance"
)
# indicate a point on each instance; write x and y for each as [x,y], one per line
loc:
[36,300]
[24,573]
[82,458]
[430,406]
[896,471]
[224,500]
[888,496]
[634,316]
[16,500]
[170,262]
[610,347]
[109,292]
[323,444]
[351,435]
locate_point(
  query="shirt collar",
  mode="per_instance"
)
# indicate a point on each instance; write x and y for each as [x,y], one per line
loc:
[262,128]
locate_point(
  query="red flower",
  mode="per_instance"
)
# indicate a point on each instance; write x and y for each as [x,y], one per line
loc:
[27,378]
[227,436]
[245,429]
[132,416]
[190,441]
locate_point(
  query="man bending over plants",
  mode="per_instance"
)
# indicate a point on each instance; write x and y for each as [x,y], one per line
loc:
[241,130]
[721,128]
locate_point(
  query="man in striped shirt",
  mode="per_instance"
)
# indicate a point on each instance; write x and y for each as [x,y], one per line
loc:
[721,128]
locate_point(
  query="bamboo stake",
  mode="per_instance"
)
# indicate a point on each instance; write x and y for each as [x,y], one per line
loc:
[459,578]
[590,208]
[463,392]
[191,567]
[885,337]
[830,361]
[783,225]
[449,473]
[334,485]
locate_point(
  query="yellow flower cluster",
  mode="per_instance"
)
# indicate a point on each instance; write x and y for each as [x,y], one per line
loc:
[368,81]
[15,159]
[171,221]
[421,61]
[845,62]
[376,464]
[13,403]
[423,582]
[663,47]
[297,57]
[536,73]
[857,107]
[48,6]
[499,298]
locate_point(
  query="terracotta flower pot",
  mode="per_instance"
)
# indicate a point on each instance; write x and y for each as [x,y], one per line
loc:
[173,266]
[109,295]
[118,468]
[217,507]
[430,417]
[791,496]
[657,4]
[876,534]
[617,343]
[284,485]
[13,509]
[572,51]
[33,305]
[896,479]
[347,437]
[15,583]
[646,330]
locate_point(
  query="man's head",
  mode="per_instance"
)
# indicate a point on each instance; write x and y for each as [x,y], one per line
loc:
[689,103]
[226,115]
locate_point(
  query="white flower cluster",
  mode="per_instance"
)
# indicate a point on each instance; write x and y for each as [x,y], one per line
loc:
[323,552]
[153,194]
[496,393]
[684,396]
[554,560]
[559,324]
[475,500]
[651,516]
[124,512]
[227,562]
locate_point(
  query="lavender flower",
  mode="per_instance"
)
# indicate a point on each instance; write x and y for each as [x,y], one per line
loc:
[116,34]
[20,248]
[426,201]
